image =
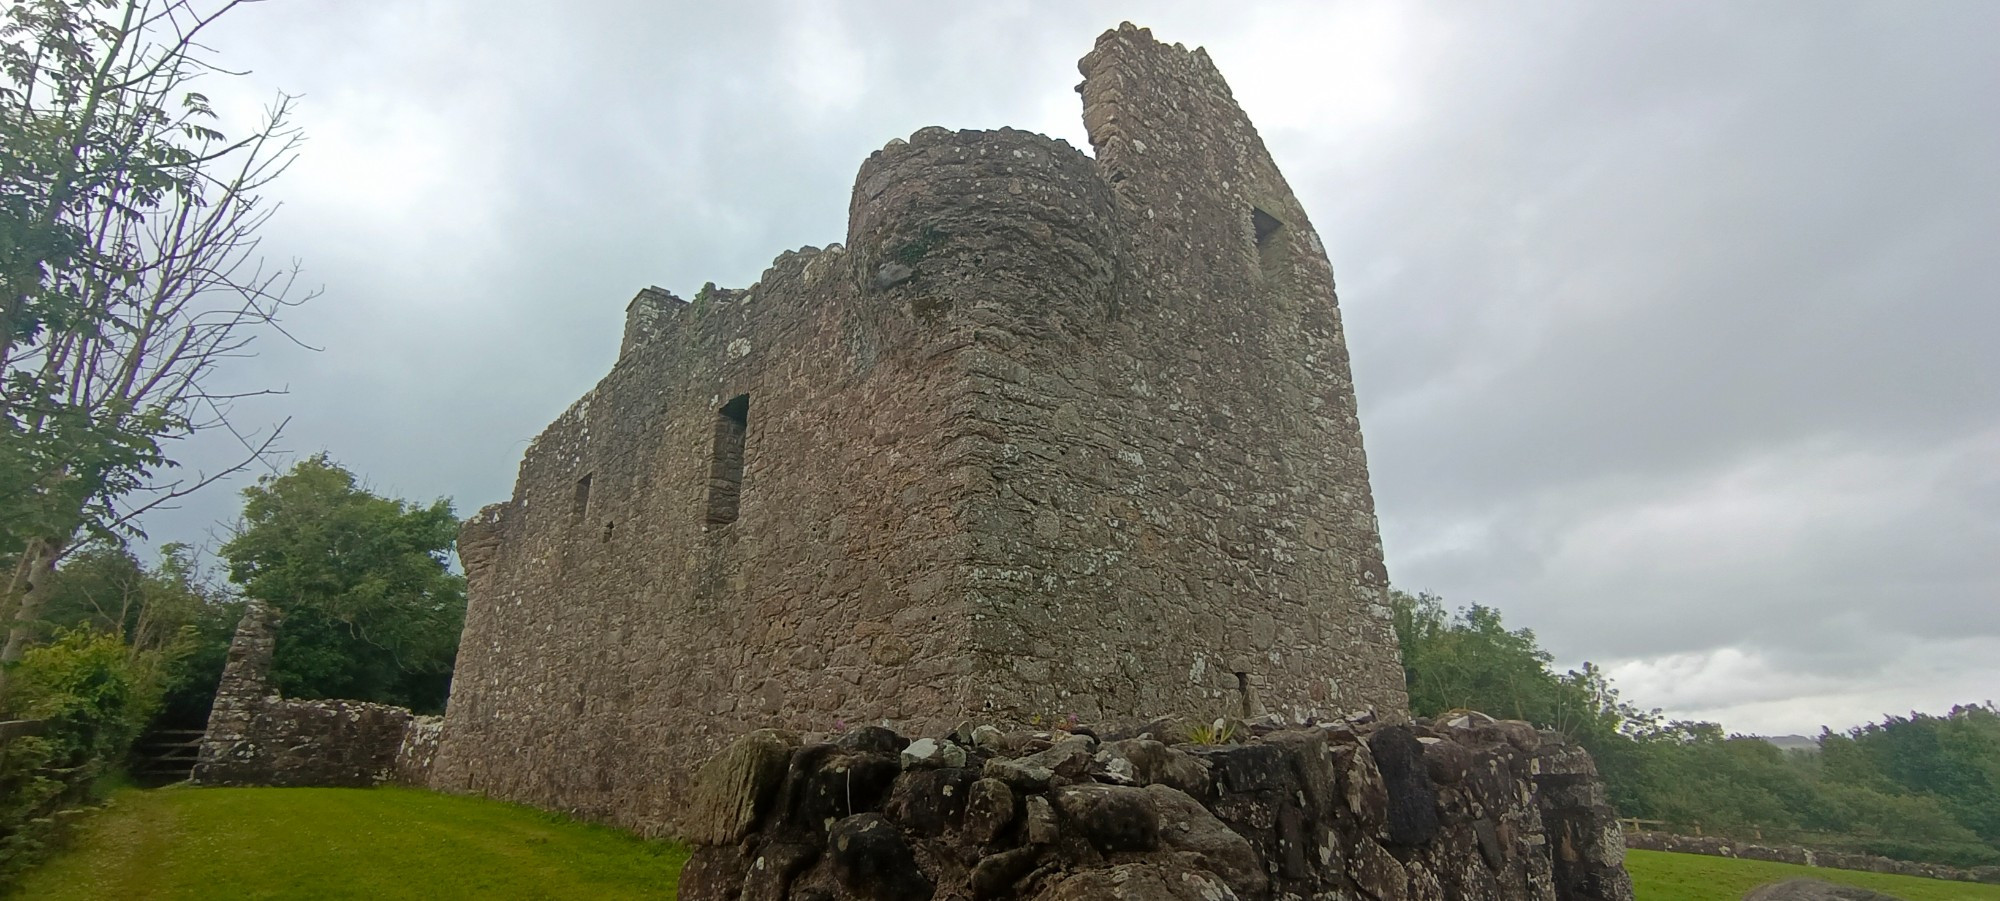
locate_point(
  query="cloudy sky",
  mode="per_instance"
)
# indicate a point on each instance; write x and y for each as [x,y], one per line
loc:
[1673,323]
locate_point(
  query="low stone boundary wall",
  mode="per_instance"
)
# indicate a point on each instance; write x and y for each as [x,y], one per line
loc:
[346,744]
[1716,846]
[255,737]
[1490,810]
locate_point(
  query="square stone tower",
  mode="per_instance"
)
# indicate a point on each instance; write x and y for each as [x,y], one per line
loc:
[1051,434]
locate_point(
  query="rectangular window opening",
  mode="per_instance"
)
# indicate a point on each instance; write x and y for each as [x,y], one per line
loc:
[725,470]
[579,507]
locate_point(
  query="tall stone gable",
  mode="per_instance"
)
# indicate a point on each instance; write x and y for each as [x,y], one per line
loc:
[1049,435]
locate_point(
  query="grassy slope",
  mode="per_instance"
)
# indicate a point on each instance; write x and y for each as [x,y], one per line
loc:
[397,843]
[346,843]
[1659,876]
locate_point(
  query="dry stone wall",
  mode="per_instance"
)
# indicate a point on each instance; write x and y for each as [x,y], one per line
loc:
[1049,435]
[255,737]
[1406,812]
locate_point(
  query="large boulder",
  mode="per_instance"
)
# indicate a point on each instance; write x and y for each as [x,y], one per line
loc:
[1142,881]
[1413,797]
[871,860]
[929,801]
[931,752]
[1813,890]
[879,739]
[994,876]
[1144,761]
[989,810]
[1112,817]
[842,783]
[1185,825]
[1067,758]
[735,787]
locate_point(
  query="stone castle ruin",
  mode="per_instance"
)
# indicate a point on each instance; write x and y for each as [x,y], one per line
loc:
[1049,436]
[910,571]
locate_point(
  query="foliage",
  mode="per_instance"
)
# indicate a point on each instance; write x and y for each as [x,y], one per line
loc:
[1220,732]
[1918,787]
[1660,876]
[347,843]
[1471,660]
[93,695]
[371,608]
[129,270]
[1954,759]
[168,608]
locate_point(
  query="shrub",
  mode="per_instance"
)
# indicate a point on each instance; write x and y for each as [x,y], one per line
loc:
[93,695]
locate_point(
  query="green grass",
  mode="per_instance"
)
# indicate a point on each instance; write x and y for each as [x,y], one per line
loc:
[399,843]
[1660,876]
[335,843]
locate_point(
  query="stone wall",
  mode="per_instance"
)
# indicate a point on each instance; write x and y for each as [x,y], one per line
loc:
[1348,810]
[255,737]
[1049,435]
[1716,846]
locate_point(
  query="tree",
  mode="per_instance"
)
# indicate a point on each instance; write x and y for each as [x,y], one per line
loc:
[128,271]
[1917,788]
[1471,660]
[1953,759]
[169,610]
[371,608]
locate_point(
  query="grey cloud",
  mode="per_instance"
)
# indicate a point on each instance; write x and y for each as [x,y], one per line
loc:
[1594,259]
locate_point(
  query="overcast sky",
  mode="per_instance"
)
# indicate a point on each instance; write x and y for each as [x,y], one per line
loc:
[1673,323]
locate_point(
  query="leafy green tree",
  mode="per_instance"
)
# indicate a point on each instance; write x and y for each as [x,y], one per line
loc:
[1953,759]
[168,608]
[1470,660]
[371,608]
[129,272]
[1918,787]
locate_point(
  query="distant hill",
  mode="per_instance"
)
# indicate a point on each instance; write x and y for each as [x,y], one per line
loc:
[1792,742]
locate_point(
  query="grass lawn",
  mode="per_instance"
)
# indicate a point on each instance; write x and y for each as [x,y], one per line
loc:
[214,843]
[1660,876]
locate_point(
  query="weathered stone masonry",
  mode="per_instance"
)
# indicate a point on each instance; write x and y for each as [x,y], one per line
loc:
[255,737]
[1049,434]
[1472,809]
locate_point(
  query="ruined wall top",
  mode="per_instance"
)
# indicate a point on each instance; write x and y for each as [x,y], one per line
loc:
[1048,434]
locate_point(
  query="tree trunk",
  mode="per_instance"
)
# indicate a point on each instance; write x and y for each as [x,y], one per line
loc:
[28,590]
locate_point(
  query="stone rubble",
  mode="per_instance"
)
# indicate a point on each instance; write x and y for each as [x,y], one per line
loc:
[1403,812]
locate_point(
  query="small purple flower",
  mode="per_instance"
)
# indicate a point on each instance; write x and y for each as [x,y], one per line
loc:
[840,725]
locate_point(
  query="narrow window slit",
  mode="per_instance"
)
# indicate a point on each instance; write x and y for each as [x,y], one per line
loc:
[725,471]
[579,508]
